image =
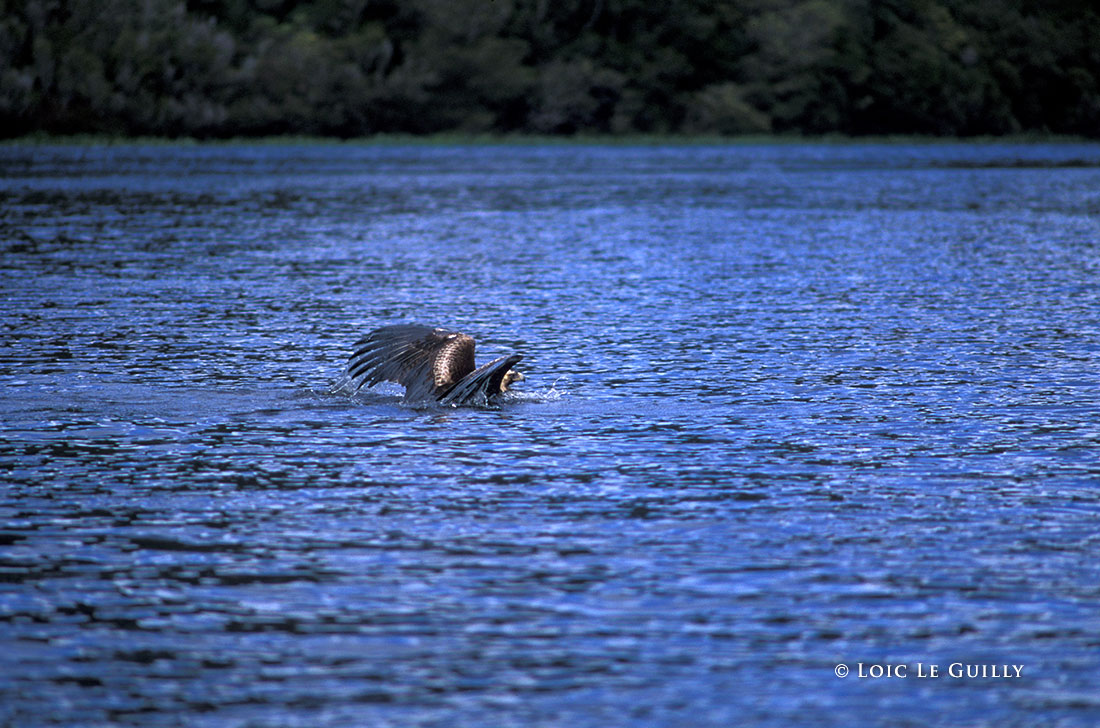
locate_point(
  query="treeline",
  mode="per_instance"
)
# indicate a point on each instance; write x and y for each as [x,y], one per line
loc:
[223,68]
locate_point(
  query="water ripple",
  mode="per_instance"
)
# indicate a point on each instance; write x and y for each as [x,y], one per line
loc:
[786,407]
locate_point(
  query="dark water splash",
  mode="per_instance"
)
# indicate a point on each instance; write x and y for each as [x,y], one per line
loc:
[787,407]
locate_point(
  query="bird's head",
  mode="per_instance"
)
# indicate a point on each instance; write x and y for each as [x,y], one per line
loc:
[510,377]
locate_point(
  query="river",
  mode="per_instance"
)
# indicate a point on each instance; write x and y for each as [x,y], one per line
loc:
[787,408]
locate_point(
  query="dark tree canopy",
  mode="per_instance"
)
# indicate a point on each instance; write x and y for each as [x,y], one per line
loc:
[222,68]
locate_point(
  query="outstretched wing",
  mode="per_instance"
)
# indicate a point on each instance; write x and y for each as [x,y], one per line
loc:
[426,361]
[481,386]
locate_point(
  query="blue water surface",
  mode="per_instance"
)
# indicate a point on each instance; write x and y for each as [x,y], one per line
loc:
[787,408]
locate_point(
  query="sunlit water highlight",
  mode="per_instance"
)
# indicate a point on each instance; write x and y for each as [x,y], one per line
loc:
[786,407]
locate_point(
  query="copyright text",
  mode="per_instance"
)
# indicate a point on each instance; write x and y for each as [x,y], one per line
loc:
[923,670]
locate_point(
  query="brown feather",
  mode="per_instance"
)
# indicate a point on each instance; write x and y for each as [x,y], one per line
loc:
[451,361]
[428,362]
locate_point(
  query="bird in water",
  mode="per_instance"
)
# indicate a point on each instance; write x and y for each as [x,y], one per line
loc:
[431,363]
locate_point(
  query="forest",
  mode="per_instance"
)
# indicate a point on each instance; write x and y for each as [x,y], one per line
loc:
[355,68]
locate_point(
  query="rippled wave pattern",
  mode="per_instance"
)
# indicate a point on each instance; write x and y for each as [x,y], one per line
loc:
[786,407]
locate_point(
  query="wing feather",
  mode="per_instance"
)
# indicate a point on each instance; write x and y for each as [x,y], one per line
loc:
[481,386]
[426,361]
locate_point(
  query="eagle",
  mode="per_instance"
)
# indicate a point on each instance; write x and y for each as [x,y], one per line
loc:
[431,363]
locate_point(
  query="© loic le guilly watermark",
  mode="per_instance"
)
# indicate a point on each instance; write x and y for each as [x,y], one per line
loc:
[922,670]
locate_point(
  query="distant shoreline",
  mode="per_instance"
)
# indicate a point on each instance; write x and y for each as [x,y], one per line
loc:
[524,140]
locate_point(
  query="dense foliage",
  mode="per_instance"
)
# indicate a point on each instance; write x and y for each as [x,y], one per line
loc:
[356,67]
